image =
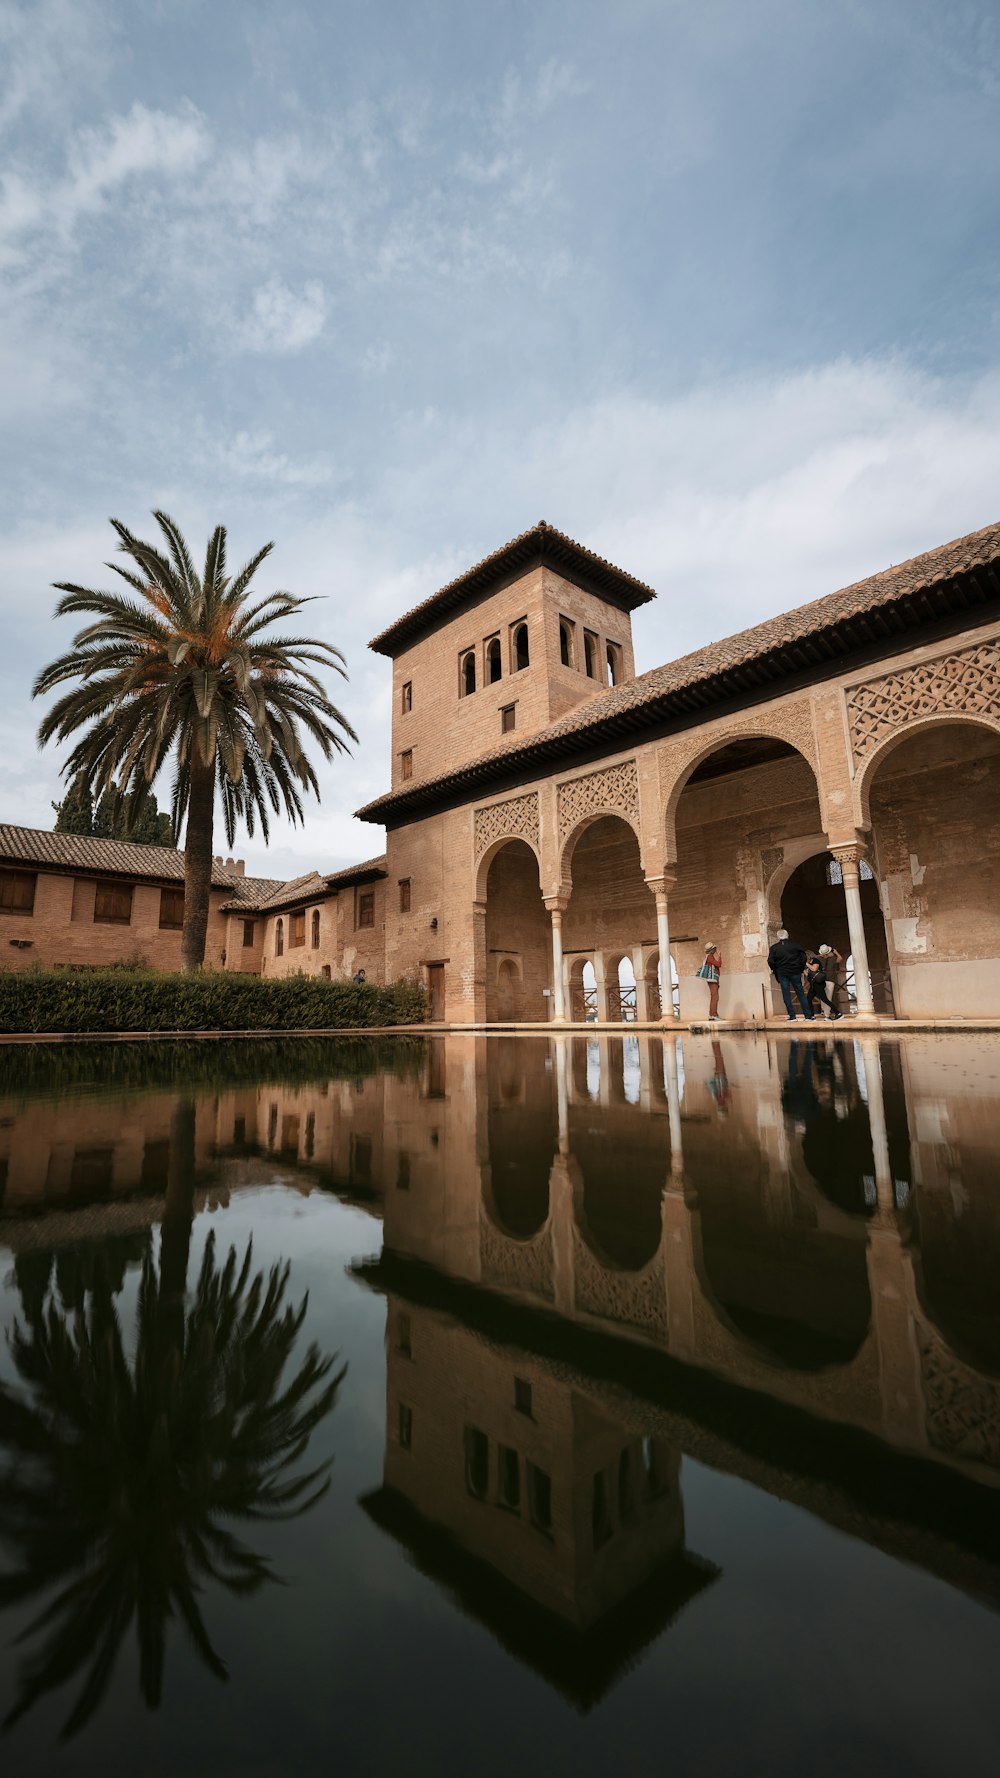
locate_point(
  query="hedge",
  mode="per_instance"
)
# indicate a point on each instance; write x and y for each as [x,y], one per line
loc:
[56,1069]
[139,1000]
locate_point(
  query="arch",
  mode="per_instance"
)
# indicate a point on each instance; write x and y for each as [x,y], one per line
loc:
[611,910]
[914,726]
[492,661]
[567,643]
[614,665]
[680,760]
[814,910]
[467,673]
[520,653]
[517,968]
[314,924]
[279,938]
[590,654]
[618,1195]
[604,812]
[483,867]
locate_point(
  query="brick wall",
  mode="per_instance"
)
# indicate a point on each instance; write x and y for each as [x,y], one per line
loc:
[51,935]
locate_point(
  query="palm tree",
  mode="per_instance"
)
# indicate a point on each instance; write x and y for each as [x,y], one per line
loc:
[185,669]
[125,1464]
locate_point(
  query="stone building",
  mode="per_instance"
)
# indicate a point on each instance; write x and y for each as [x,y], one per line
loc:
[555,821]
[836,769]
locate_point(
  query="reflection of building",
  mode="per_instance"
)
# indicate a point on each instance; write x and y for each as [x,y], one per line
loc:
[836,769]
[549,1520]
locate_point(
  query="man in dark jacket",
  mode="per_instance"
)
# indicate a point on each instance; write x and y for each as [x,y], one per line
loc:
[786,961]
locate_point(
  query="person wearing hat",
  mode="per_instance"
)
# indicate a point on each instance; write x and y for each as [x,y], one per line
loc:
[820,985]
[710,972]
[786,960]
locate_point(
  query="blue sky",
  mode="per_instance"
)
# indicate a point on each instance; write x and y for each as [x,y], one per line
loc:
[712,286]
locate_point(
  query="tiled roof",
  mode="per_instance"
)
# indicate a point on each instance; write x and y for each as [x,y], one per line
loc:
[956,576]
[250,892]
[312,887]
[543,544]
[121,858]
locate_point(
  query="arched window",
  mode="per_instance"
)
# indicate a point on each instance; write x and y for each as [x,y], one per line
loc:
[590,654]
[279,937]
[493,660]
[315,929]
[520,647]
[614,659]
[467,675]
[566,643]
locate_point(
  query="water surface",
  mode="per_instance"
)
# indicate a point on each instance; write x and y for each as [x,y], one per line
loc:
[500,1404]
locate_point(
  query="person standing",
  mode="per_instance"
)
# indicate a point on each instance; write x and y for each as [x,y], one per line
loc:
[817,982]
[786,961]
[710,971]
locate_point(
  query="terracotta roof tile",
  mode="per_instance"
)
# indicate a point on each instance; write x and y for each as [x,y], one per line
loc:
[542,544]
[123,858]
[312,887]
[624,706]
[372,867]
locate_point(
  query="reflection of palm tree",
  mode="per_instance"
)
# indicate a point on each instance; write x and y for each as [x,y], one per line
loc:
[124,1474]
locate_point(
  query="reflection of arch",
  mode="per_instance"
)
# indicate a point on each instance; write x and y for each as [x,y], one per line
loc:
[914,726]
[618,1197]
[684,757]
[955,1256]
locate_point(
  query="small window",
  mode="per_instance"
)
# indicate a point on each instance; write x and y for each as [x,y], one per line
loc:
[508,717]
[366,907]
[327,973]
[113,904]
[279,937]
[272,1126]
[406,763]
[290,1134]
[467,674]
[171,909]
[239,1130]
[539,1498]
[249,934]
[567,639]
[519,648]
[522,1396]
[310,1135]
[314,925]
[404,1335]
[477,1462]
[297,930]
[591,655]
[614,663]
[406,700]
[360,1154]
[405,1427]
[404,895]
[510,1479]
[492,660]
[17,891]
[92,1169]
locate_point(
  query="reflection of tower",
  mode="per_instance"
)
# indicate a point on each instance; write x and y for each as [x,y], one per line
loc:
[559,1527]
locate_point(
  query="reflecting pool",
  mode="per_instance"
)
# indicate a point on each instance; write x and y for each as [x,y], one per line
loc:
[581,1405]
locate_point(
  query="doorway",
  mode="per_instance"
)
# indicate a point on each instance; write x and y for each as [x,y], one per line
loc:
[435,992]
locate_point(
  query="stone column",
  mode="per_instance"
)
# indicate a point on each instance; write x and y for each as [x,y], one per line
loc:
[601,983]
[556,905]
[661,887]
[849,859]
[639,971]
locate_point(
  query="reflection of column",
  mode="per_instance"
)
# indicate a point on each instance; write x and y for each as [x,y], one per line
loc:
[556,905]
[673,1108]
[876,1120]
[562,1093]
[602,987]
[893,1295]
[849,859]
[678,1259]
[661,887]
[561,1231]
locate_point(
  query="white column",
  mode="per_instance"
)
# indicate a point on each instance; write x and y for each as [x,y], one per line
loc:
[556,905]
[639,971]
[877,1124]
[849,858]
[660,887]
[601,984]
[673,1107]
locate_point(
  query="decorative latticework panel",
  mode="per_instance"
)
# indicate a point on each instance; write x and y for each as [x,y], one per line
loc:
[516,1265]
[963,1408]
[613,791]
[516,819]
[635,1299]
[966,683]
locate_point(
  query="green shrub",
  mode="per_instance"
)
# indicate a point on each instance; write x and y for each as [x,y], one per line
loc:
[138,1000]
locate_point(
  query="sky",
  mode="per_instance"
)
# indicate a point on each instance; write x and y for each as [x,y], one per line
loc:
[713,287]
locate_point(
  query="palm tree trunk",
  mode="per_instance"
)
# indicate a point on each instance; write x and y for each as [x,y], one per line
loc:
[198,864]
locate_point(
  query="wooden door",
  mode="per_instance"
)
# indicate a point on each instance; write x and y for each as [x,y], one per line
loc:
[435,991]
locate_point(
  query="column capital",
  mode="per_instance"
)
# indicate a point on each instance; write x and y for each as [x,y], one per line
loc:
[664,882]
[849,851]
[555,904]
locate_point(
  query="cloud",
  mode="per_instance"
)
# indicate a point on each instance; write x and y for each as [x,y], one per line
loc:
[282,320]
[52,53]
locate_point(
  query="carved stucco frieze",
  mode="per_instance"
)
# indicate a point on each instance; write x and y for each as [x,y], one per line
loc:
[966,682]
[515,819]
[516,1265]
[614,790]
[636,1299]
[963,1408]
